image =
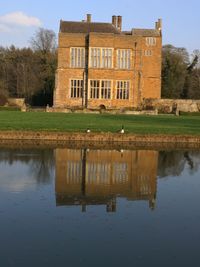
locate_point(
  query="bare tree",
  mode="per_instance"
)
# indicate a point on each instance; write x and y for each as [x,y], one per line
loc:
[44,41]
[196,53]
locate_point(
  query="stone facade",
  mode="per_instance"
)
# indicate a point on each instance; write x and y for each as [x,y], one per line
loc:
[135,64]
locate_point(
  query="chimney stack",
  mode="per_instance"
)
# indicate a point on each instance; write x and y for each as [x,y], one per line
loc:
[89,18]
[119,23]
[159,25]
[156,25]
[114,21]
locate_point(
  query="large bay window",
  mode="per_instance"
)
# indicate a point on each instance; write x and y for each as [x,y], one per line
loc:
[123,88]
[106,58]
[77,57]
[101,58]
[123,58]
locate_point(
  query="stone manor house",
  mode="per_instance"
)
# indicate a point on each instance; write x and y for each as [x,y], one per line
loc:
[102,66]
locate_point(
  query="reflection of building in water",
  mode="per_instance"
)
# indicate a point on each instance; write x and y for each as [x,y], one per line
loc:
[89,177]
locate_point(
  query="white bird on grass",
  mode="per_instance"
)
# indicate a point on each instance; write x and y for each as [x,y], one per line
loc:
[122,130]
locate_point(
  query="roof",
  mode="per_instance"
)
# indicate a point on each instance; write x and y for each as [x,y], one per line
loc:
[146,32]
[87,27]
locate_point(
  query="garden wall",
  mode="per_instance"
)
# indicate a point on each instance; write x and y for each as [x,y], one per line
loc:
[172,105]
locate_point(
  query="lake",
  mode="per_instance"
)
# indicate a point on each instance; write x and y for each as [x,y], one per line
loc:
[86,207]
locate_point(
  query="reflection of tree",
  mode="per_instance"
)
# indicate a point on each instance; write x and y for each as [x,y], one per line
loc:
[40,162]
[172,163]
[189,160]
[193,159]
[43,166]
[10,156]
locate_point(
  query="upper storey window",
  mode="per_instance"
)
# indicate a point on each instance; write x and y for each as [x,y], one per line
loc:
[101,58]
[77,57]
[148,53]
[123,58]
[150,41]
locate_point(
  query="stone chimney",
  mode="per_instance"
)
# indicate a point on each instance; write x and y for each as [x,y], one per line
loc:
[158,25]
[89,18]
[119,23]
[114,21]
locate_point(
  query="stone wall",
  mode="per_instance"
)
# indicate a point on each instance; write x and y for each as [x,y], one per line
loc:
[172,105]
[110,138]
[19,102]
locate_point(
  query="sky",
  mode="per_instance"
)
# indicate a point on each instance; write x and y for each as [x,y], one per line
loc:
[20,19]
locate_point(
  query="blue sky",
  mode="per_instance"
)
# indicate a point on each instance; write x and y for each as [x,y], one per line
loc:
[19,19]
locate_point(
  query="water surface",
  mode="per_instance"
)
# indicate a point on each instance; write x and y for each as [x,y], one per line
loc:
[81,207]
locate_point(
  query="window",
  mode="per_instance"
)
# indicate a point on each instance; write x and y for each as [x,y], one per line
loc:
[100,89]
[76,88]
[105,89]
[106,58]
[123,89]
[101,57]
[148,53]
[77,57]
[123,58]
[94,89]
[150,41]
[95,57]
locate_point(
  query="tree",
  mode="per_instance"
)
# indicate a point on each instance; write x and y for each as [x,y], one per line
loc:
[30,72]
[44,41]
[174,70]
[44,45]
[189,79]
[180,76]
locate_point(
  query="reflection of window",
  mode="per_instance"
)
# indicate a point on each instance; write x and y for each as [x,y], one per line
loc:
[98,173]
[150,41]
[145,186]
[123,88]
[77,59]
[74,172]
[76,88]
[101,57]
[120,173]
[100,89]
[123,58]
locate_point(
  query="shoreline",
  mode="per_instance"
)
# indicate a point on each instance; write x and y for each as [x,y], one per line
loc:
[97,140]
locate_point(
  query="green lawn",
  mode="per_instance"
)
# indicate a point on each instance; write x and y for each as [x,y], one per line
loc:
[140,124]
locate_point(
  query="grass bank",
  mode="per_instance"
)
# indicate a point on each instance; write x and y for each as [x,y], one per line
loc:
[60,122]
